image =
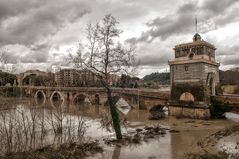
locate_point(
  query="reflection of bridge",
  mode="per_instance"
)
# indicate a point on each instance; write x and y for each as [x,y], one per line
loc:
[138,98]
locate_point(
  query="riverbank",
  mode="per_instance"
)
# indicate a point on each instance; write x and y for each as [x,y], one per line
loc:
[223,144]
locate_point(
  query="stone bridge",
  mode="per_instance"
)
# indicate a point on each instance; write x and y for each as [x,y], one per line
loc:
[231,100]
[137,98]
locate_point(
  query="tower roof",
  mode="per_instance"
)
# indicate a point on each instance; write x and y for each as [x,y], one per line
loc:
[197,37]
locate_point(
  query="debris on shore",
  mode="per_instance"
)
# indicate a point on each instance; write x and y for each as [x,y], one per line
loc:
[63,151]
[138,135]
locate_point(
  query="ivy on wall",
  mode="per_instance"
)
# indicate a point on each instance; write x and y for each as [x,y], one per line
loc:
[218,108]
[199,91]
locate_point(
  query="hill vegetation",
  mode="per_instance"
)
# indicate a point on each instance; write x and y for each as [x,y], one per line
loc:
[162,78]
[6,78]
[229,77]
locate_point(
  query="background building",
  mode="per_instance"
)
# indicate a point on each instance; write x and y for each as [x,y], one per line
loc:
[80,78]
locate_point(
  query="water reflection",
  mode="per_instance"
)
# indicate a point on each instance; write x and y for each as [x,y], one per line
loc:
[116,152]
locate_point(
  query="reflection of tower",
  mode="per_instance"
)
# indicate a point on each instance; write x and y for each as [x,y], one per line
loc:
[192,70]
[116,152]
[186,138]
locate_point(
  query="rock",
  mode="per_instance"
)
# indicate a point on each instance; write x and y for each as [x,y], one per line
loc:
[174,131]
[157,112]
[148,128]
[136,138]
[156,129]
[162,132]
[139,130]
[156,115]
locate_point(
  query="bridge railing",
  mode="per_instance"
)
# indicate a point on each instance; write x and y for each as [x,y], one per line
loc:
[153,93]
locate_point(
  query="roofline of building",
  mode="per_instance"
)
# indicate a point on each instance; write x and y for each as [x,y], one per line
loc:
[173,62]
[195,43]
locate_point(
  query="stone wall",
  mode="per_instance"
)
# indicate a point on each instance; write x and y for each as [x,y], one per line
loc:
[186,72]
[231,101]
[189,112]
[198,90]
[193,72]
[210,68]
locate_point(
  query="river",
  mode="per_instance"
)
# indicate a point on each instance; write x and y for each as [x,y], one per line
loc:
[171,145]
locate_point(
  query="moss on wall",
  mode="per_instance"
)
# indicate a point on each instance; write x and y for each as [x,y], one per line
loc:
[199,91]
[218,108]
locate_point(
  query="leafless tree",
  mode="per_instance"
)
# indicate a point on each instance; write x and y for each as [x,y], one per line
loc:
[104,56]
[3,59]
[4,62]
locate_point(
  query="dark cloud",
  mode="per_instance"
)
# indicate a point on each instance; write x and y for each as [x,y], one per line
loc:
[215,7]
[182,20]
[32,24]
[179,22]
[11,8]
[41,31]
[38,20]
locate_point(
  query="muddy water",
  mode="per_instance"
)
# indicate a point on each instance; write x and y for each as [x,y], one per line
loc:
[170,146]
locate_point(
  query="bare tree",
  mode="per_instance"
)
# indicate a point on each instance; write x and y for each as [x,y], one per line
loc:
[4,62]
[3,59]
[104,56]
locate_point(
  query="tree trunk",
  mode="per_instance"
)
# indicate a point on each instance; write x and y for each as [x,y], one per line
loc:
[114,115]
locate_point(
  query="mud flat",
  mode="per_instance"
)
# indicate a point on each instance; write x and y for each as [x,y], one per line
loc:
[222,144]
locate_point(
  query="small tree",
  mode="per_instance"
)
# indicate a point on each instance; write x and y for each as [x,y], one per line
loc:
[104,56]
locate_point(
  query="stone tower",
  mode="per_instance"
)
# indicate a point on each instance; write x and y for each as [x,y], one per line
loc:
[194,75]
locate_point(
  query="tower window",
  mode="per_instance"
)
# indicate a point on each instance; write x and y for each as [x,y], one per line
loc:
[186,67]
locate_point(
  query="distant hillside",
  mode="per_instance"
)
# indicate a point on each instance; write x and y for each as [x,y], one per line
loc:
[6,78]
[229,77]
[163,78]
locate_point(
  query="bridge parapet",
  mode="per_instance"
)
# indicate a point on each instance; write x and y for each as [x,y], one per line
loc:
[153,93]
[231,100]
[139,98]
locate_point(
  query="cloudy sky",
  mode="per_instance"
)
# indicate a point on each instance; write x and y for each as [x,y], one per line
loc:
[38,34]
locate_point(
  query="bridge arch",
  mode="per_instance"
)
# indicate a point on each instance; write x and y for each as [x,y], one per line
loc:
[40,94]
[158,107]
[186,97]
[26,79]
[57,96]
[81,99]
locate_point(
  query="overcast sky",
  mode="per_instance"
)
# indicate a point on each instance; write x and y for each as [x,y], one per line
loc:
[38,34]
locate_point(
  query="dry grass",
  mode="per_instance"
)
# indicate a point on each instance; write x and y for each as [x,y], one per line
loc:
[63,151]
[229,89]
[26,129]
